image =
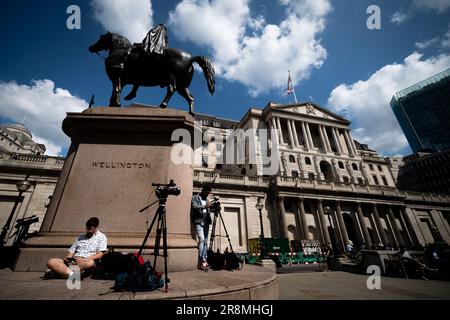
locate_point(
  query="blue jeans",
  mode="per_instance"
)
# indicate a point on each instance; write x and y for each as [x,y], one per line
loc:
[202,234]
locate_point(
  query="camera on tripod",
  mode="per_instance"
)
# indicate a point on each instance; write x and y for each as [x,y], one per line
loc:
[165,190]
[26,221]
[215,205]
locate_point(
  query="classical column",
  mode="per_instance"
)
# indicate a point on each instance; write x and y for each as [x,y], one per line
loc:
[291,135]
[349,145]
[308,132]
[409,227]
[336,140]
[341,222]
[383,236]
[274,127]
[325,234]
[317,167]
[350,171]
[363,225]
[283,226]
[300,166]
[294,131]
[322,138]
[303,221]
[394,225]
[327,140]
[352,142]
[280,130]
[305,136]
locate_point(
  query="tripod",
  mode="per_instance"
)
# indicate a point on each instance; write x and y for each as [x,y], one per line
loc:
[213,231]
[161,227]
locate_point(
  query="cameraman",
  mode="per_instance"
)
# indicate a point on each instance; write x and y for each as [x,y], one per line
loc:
[83,252]
[201,219]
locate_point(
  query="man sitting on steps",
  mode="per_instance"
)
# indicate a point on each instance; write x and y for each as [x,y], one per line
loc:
[83,252]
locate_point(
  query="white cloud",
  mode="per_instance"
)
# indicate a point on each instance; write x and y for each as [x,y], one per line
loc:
[438,5]
[248,49]
[398,17]
[129,18]
[426,44]
[446,40]
[368,101]
[45,108]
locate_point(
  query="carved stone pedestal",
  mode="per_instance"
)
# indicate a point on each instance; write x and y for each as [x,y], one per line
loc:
[115,156]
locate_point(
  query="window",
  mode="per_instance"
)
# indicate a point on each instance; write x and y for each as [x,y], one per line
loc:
[250,166]
[360,181]
[380,168]
[219,166]
[384,180]
[341,165]
[371,167]
[354,166]
[346,180]
[375,179]
[295,174]
[243,171]
[311,176]
[307,160]
[291,159]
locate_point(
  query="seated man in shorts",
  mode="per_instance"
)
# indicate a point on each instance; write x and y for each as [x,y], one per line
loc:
[84,251]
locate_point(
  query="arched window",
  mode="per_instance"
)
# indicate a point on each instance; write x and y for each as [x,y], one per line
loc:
[354,166]
[291,159]
[307,160]
[341,165]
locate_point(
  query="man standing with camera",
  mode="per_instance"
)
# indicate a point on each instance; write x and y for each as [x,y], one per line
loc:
[201,218]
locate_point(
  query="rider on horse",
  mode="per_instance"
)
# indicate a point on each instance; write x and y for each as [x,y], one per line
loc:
[154,43]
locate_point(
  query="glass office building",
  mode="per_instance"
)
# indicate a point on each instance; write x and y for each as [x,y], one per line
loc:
[423,111]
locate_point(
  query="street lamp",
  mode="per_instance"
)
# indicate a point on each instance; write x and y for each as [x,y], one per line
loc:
[259,206]
[336,251]
[22,186]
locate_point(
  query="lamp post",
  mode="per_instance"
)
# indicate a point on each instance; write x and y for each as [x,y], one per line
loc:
[336,250]
[22,186]
[259,206]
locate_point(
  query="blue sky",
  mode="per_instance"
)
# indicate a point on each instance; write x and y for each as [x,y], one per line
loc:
[335,60]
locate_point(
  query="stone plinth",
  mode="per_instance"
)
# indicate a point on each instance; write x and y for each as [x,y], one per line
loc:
[115,156]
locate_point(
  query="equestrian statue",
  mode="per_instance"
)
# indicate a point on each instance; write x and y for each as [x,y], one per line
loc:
[151,63]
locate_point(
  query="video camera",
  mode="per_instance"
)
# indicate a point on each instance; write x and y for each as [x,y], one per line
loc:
[27,221]
[165,190]
[215,208]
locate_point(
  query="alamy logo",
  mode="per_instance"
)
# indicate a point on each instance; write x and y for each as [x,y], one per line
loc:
[249,146]
[374,20]
[374,280]
[74,280]
[73,22]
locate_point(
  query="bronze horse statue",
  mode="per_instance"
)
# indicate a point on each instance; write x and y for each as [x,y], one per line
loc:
[130,64]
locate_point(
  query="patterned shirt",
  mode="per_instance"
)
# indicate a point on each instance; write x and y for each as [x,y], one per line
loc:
[85,247]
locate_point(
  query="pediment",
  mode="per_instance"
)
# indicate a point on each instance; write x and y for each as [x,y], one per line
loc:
[309,109]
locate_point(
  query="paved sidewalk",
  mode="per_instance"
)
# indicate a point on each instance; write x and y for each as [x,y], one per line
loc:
[343,286]
[252,282]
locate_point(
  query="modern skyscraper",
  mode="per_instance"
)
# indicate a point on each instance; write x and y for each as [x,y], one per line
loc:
[423,111]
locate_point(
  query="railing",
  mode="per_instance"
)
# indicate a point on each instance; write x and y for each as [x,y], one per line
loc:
[225,178]
[31,159]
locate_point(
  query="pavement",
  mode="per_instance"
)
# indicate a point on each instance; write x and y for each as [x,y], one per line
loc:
[252,282]
[249,283]
[338,285]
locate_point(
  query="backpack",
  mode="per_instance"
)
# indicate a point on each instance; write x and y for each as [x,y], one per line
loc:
[216,260]
[232,262]
[114,263]
[141,278]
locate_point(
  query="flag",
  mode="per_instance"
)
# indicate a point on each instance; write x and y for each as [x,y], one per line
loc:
[290,87]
